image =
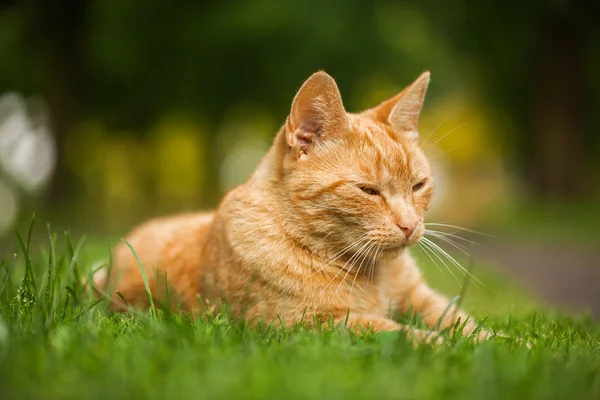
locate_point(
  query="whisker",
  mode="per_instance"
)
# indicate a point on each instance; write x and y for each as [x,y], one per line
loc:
[422,247]
[450,258]
[366,253]
[451,243]
[345,249]
[448,238]
[449,234]
[435,253]
[372,271]
[438,250]
[370,266]
[323,240]
[441,153]
[459,228]
[340,270]
[358,255]
[452,130]
[437,127]
[341,253]
[344,266]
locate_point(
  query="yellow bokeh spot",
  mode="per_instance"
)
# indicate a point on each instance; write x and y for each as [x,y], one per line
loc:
[178,148]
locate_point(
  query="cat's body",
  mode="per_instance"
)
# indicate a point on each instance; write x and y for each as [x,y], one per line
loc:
[319,231]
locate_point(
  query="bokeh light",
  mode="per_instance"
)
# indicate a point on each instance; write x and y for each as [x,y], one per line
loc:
[27,153]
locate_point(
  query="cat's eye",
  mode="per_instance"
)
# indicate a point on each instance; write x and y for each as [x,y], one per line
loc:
[418,186]
[368,190]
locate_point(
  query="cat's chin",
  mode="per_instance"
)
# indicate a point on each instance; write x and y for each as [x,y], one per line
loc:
[392,251]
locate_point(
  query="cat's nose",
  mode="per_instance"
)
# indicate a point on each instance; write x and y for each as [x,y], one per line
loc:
[408,228]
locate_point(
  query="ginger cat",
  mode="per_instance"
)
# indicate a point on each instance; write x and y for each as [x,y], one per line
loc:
[321,229]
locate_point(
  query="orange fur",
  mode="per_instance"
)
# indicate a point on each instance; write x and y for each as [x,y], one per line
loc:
[320,230]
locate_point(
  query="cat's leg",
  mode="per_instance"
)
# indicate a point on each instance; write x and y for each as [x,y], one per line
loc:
[361,322]
[435,309]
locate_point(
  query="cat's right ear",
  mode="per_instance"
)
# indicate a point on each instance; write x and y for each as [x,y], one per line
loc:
[402,111]
[317,113]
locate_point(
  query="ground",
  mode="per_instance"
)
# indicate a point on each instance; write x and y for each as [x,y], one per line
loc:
[550,248]
[564,276]
[56,342]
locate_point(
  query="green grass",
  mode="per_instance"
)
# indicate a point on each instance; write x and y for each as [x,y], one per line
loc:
[56,342]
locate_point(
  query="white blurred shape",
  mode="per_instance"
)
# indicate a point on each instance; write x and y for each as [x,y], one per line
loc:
[440,196]
[241,161]
[9,207]
[27,148]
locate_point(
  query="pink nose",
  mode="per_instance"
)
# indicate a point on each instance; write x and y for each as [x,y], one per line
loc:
[408,228]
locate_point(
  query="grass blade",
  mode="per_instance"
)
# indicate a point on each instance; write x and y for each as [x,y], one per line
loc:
[144,277]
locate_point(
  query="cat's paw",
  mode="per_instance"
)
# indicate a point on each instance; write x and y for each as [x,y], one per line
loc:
[482,335]
[519,340]
[419,336]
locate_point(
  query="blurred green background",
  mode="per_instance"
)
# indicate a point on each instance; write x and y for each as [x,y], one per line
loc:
[113,111]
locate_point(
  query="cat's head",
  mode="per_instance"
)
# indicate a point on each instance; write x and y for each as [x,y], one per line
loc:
[358,180]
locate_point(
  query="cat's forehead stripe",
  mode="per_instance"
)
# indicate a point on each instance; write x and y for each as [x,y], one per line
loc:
[392,155]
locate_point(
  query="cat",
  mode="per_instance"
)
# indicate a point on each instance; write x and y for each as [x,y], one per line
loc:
[321,230]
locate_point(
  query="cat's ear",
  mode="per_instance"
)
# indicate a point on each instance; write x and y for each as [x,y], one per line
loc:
[402,111]
[317,113]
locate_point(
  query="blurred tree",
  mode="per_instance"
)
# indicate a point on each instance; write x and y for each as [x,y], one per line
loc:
[558,106]
[535,57]
[59,27]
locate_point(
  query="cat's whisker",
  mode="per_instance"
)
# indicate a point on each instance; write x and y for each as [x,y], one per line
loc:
[453,244]
[446,234]
[422,247]
[427,246]
[359,255]
[450,236]
[323,240]
[438,251]
[460,228]
[372,270]
[457,241]
[345,249]
[437,127]
[449,240]
[344,266]
[449,132]
[341,253]
[441,153]
[366,254]
[451,259]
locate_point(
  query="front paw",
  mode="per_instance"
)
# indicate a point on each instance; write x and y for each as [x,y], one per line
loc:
[517,340]
[481,335]
[419,336]
[472,330]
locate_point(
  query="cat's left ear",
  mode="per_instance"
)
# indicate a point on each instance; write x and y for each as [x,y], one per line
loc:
[402,111]
[317,114]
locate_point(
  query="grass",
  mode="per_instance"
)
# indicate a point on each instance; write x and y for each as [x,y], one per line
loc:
[57,342]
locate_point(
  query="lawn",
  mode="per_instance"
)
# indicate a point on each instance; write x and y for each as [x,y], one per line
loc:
[56,342]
